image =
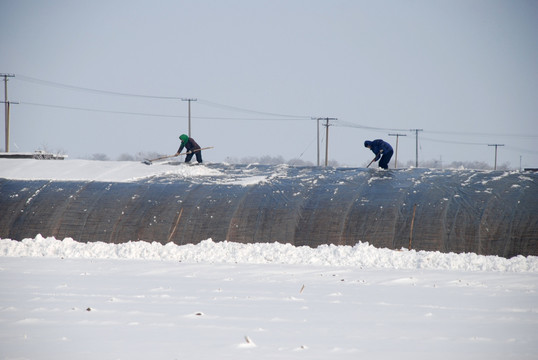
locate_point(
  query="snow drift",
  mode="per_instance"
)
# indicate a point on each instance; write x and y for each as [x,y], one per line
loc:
[362,255]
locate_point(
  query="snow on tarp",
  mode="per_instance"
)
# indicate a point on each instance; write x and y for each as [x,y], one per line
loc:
[485,212]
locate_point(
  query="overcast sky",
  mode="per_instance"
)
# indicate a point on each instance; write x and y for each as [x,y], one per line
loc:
[466,72]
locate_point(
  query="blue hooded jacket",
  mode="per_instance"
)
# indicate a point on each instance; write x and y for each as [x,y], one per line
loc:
[377,145]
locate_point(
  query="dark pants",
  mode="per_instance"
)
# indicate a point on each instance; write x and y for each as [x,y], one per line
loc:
[198,157]
[385,158]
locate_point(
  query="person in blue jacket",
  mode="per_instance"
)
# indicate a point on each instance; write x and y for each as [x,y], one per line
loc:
[382,150]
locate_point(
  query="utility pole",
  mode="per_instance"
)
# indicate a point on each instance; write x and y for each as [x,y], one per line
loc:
[189,100]
[416,134]
[496,145]
[317,124]
[396,154]
[327,119]
[6,114]
[8,109]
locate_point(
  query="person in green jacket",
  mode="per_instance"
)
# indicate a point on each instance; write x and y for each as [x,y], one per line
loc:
[192,148]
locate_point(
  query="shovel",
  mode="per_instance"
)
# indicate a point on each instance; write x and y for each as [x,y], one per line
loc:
[370,163]
[149,162]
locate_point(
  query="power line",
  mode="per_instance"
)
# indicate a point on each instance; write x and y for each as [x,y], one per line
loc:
[95,91]
[115,93]
[453,141]
[355,125]
[259,115]
[480,134]
[154,115]
[235,108]
[247,119]
[359,126]
[520,150]
[106,92]
[100,111]
[302,153]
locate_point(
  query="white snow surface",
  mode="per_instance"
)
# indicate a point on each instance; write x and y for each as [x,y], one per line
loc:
[62,299]
[90,170]
[362,255]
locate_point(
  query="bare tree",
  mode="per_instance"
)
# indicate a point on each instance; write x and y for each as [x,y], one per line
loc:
[126,157]
[99,157]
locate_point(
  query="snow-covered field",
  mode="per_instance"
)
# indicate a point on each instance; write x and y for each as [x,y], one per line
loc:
[68,300]
[61,299]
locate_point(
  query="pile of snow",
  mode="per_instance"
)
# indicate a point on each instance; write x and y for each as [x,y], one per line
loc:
[361,255]
[131,171]
[90,170]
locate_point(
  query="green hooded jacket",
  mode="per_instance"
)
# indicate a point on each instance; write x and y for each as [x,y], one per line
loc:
[184,139]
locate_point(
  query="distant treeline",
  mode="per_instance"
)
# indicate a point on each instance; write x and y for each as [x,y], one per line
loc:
[277,160]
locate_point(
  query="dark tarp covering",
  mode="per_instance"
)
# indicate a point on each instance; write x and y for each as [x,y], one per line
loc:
[486,212]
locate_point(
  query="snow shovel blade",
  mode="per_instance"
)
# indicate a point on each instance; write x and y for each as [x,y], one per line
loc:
[149,162]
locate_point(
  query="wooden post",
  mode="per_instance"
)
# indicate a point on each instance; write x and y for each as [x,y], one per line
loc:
[412,224]
[175,225]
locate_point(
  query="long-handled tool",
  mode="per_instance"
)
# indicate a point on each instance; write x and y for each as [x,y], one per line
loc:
[149,162]
[196,150]
[370,163]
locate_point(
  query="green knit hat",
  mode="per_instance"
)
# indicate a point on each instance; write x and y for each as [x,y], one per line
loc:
[184,138]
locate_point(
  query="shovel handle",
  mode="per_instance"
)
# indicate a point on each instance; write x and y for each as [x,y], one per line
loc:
[195,150]
[185,153]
